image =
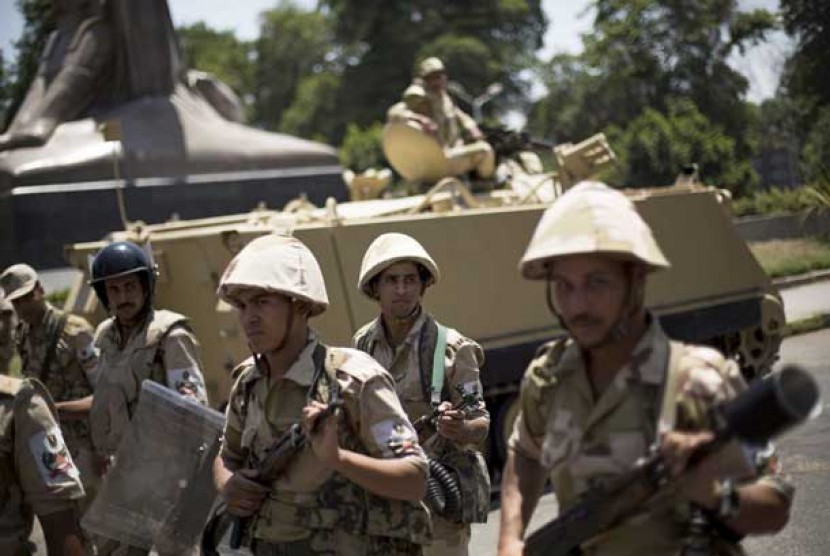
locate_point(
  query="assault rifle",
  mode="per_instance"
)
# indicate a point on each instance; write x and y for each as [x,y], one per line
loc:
[766,409]
[507,143]
[280,456]
[426,423]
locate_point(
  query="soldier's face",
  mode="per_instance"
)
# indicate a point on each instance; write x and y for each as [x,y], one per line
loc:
[29,308]
[126,297]
[264,317]
[589,293]
[436,81]
[400,290]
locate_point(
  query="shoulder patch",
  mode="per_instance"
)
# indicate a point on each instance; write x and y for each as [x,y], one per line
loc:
[547,356]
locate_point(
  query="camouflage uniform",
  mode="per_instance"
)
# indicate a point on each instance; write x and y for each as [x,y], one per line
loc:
[163,349]
[70,376]
[312,510]
[7,326]
[37,474]
[462,361]
[583,441]
[410,365]
[453,124]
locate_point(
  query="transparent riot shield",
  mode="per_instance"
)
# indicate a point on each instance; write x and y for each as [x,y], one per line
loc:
[160,490]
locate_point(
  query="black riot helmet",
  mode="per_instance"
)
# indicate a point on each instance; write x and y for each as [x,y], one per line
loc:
[120,259]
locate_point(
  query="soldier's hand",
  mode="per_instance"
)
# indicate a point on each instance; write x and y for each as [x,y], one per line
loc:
[323,435]
[697,484]
[243,495]
[450,423]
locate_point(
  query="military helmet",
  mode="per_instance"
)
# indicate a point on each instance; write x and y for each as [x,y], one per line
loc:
[17,281]
[414,91]
[391,248]
[429,66]
[277,264]
[590,218]
[120,259]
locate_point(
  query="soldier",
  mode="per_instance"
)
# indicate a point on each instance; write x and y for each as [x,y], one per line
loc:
[137,343]
[57,349]
[458,133]
[355,489]
[592,404]
[414,109]
[8,323]
[37,474]
[406,340]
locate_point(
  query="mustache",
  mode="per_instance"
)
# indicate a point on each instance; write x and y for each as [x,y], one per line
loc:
[124,306]
[584,319]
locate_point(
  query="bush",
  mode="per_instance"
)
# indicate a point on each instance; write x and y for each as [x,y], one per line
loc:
[773,201]
[362,148]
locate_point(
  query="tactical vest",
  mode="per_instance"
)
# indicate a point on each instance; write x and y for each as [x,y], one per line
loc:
[118,389]
[339,503]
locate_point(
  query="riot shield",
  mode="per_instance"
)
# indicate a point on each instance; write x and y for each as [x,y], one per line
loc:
[160,490]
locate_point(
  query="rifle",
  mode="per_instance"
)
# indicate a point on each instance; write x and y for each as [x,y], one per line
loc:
[766,409]
[426,422]
[279,457]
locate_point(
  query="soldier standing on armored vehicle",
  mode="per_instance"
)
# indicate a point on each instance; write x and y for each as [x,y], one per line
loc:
[137,343]
[434,369]
[592,404]
[8,322]
[458,133]
[354,487]
[57,349]
[37,474]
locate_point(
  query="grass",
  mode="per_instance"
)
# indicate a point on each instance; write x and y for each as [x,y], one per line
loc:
[804,326]
[787,257]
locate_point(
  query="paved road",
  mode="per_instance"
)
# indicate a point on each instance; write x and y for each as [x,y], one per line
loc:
[805,456]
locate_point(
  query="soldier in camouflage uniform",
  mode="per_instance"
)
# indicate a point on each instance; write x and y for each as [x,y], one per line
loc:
[37,474]
[458,133]
[593,403]
[354,489]
[57,349]
[413,109]
[396,271]
[137,343]
[8,322]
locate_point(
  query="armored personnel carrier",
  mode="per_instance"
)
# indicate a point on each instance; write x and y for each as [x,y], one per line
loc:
[715,291]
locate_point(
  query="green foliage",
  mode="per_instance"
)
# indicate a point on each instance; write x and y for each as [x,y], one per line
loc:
[293,45]
[5,89]
[362,147]
[808,74]
[654,148]
[772,201]
[58,297]
[815,156]
[38,23]
[313,112]
[221,54]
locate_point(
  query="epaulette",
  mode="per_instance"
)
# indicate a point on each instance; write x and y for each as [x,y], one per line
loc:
[542,369]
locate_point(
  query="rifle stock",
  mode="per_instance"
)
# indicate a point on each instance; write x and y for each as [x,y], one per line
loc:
[766,409]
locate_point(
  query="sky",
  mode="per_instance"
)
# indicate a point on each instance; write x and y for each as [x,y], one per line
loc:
[568,20]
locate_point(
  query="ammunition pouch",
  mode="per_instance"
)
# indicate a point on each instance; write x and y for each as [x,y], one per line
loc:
[458,488]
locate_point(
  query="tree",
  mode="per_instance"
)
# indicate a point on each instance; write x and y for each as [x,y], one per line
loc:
[221,54]
[313,112]
[807,74]
[293,45]
[655,146]
[362,148]
[38,23]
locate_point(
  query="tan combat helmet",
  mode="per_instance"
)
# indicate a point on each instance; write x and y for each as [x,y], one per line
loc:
[590,218]
[414,91]
[391,248]
[277,264]
[18,280]
[429,66]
